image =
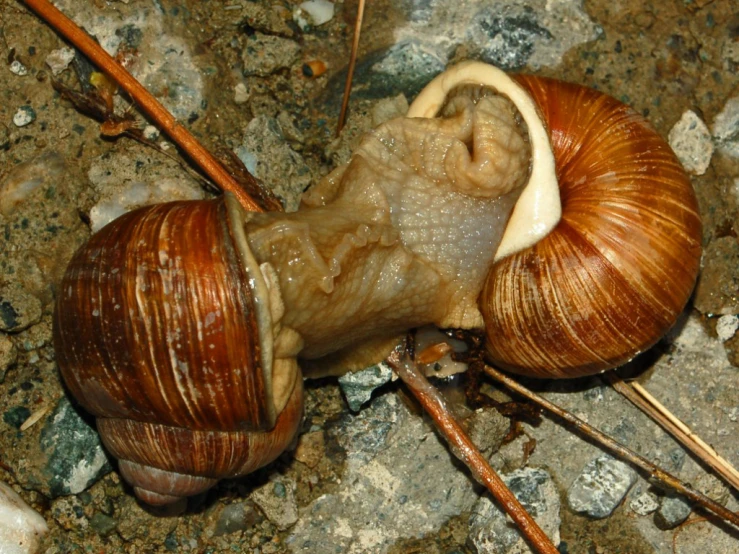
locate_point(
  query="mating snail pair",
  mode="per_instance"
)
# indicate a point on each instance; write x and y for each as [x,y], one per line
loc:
[550,214]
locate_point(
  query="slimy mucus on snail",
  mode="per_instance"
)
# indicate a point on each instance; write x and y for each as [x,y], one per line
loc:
[551,215]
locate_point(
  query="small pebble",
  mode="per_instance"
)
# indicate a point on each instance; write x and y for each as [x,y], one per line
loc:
[644,504]
[236,517]
[241,94]
[673,511]
[726,327]
[726,127]
[601,487]
[74,453]
[359,386]
[59,60]
[151,132]
[313,13]
[18,68]
[21,527]
[691,141]
[311,448]
[276,499]
[24,116]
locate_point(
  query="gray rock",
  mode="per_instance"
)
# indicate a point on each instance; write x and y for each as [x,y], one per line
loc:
[645,504]
[691,141]
[506,37]
[491,532]
[725,127]
[76,458]
[601,486]
[410,64]
[276,499]
[672,512]
[399,481]
[267,155]
[236,517]
[265,54]
[359,386]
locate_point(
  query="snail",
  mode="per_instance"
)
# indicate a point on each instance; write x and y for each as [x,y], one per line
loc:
[550,214]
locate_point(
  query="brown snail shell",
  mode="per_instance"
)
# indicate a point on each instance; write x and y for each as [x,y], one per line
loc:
[620,265]
[160,334]
[166,329]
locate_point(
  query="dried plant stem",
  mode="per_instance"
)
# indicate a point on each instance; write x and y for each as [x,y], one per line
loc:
[656,474]
[150,105]
[352,65]
[641,398]
[462,447]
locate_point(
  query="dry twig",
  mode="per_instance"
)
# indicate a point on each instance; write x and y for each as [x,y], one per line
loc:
[641,398]
[150,105]
[656,474]
[463,448]
[352,65]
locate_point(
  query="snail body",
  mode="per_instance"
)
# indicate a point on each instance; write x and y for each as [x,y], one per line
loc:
[179,326]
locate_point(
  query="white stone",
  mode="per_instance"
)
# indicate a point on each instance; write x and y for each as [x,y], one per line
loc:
[18,68]
[691,141]
[151,133]
[241,94]
[21,527]
[726,128]
[24,116]
[726,326]
[601,486]
[318,12]
[645,504]
[59,60]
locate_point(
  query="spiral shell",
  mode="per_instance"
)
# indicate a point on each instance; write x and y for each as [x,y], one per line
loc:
[162,332]
[619,267]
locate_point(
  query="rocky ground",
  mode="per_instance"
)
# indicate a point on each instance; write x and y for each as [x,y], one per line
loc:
[264,79]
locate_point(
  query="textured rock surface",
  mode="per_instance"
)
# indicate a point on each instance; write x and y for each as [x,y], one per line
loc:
[601,487]
[21,528]
[691,141]
[358,387]
[490,530]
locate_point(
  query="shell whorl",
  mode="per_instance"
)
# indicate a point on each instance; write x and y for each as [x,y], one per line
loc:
[159,334]
[619,267]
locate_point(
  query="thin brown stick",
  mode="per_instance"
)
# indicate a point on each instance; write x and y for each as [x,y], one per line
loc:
[731,473]
[350,70]
[656,474]
[150,105]
[462,447]
[641,398]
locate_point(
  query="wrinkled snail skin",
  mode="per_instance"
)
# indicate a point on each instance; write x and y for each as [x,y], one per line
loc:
[618,269]
[179,325]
